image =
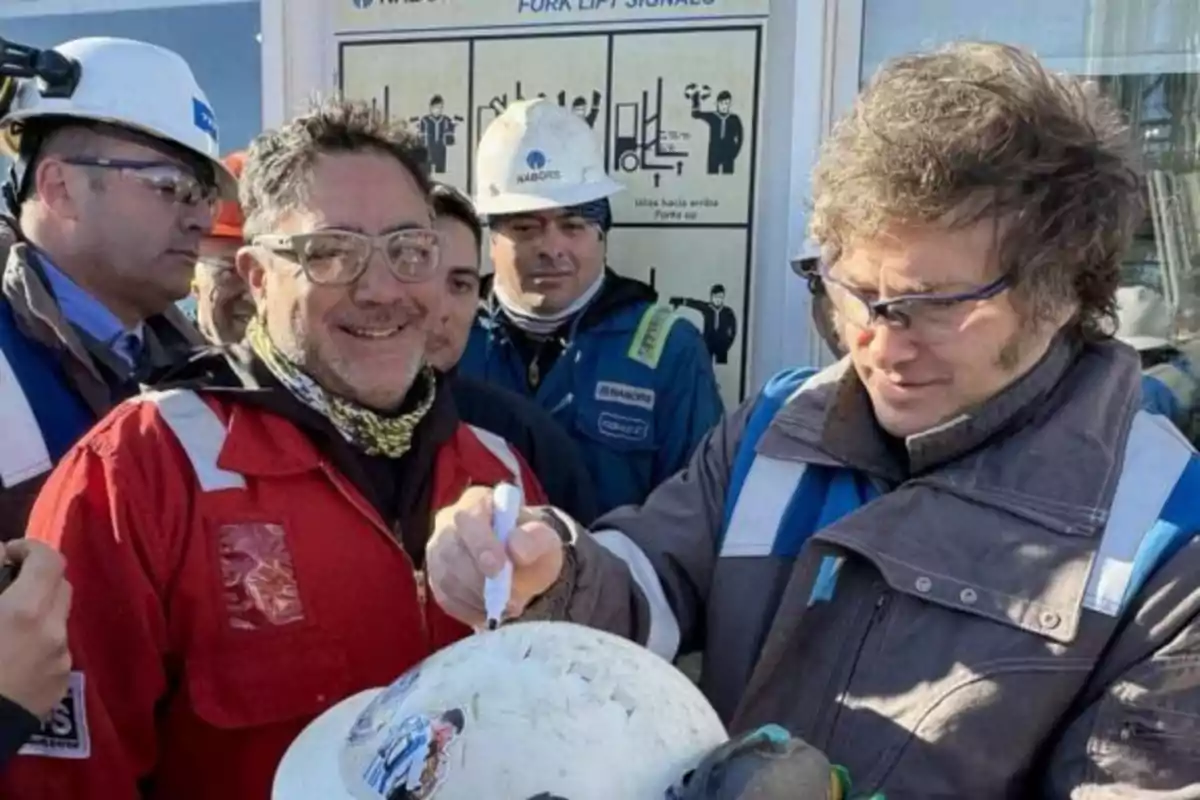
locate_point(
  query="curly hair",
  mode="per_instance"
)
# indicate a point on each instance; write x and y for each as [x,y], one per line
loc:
[979,131]
[279,163]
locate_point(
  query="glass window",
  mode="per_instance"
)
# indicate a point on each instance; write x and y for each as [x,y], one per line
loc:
[1146,54]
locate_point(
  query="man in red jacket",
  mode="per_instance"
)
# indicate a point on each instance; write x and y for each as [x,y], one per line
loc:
[247,542]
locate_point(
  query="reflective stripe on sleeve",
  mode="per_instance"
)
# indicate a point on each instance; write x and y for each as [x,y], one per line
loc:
[23,453]
[664,635]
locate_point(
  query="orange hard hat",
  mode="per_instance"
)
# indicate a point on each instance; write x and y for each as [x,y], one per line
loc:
[227,221]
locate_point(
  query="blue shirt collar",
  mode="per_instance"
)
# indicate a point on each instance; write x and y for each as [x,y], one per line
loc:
[88,314]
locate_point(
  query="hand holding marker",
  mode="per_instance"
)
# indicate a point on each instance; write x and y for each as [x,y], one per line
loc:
[506,506]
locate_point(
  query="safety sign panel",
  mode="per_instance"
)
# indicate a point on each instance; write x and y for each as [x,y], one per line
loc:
[433,100]
[675,108]
[697,271]
[679,135]
[441,15]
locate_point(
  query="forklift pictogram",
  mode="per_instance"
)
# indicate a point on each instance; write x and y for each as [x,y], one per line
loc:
[493,108]
[586,109]
[640,143]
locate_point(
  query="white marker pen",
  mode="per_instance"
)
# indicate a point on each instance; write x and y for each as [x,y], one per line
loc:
[506,506]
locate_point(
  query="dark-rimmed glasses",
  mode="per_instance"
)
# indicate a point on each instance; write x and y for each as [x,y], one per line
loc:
[339,258]
[931,317]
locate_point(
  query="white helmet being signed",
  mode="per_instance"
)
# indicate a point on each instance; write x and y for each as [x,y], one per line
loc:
[533,710]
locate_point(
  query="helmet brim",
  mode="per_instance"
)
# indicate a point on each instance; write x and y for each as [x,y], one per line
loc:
[222,231]
[310,767]
[521,203]
[227,183]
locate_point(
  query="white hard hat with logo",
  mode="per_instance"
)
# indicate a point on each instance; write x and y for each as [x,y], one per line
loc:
[131,84]
[531,710]
[1144,319]
[538,155]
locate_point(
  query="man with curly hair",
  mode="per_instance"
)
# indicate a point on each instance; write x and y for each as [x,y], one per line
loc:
[961,561]
[247,543]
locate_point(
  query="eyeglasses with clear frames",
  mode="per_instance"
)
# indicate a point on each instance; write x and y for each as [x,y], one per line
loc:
[339,258]
[932,317]
[170,180]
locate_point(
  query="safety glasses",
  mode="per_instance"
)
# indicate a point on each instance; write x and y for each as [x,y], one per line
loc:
[933,317]
[169,180]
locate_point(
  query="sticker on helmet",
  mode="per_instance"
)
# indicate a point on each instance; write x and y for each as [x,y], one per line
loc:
[536,161]
[410,763]
[382,710]
[204,118]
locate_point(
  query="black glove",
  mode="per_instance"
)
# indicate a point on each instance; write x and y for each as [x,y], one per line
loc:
[766,764]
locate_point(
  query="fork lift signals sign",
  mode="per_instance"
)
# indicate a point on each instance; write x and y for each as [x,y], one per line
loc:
[672,90]
[374,15]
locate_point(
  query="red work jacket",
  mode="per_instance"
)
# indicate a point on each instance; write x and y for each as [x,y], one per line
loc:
[230,585]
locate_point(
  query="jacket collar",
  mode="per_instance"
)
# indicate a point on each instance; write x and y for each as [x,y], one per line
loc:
[271,433]
[35,306]
[80,308]
[618,307]
[1049,448]
[40,317]
[264,444]
[834,415]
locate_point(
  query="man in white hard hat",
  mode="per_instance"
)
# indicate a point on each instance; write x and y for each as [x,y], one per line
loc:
[635,389]
[552,454]
[114,177]
[1169,380]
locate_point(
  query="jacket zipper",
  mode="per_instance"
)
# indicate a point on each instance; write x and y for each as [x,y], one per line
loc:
[566,401]
[881,602]
[418,575]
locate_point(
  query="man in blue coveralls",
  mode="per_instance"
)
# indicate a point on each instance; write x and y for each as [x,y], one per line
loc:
[631,385]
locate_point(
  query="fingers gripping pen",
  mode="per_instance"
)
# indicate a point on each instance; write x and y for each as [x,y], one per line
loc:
[506,505]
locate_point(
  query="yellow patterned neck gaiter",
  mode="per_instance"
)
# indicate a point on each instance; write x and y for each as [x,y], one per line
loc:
[367,430]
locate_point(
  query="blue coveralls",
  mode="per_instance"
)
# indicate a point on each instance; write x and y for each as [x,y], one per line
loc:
[635,389]
[1170,388]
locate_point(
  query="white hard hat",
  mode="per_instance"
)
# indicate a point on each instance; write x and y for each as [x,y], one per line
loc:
[132,84]
[539,155]
[1144,319]
[534,709]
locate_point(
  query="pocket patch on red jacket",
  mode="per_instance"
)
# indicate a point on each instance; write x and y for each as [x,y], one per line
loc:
[258,576]
[65,733]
